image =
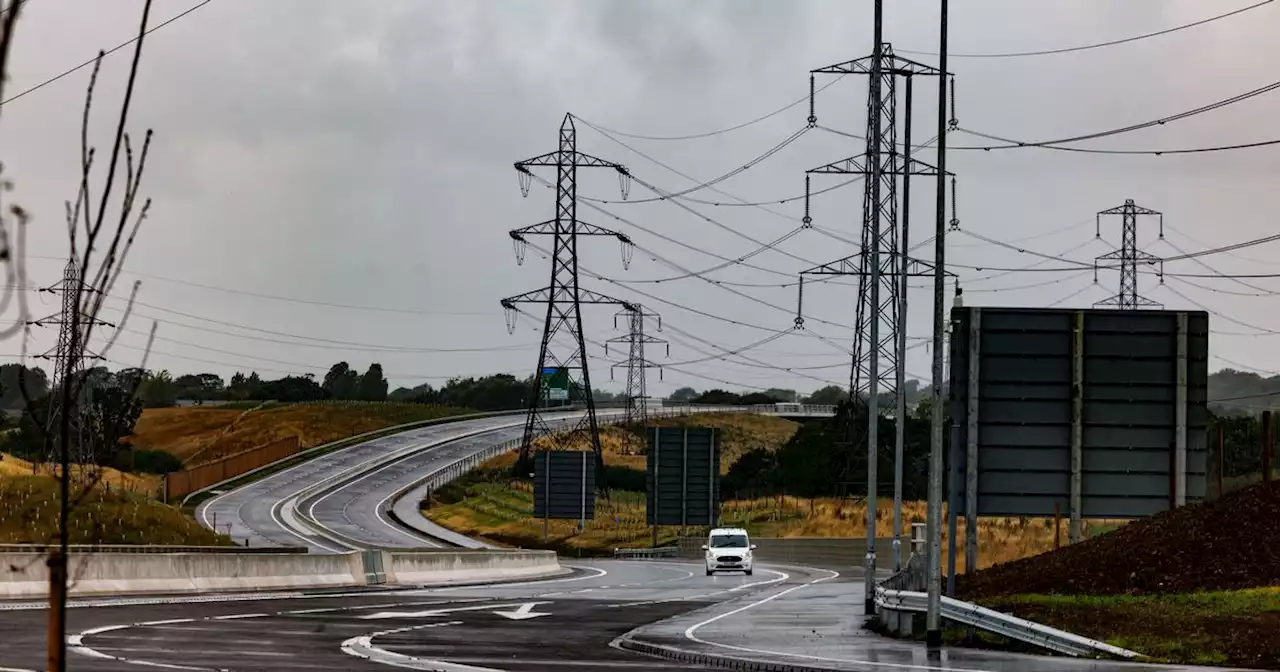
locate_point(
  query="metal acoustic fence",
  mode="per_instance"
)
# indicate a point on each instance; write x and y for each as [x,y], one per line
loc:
[180,483]
[900,600]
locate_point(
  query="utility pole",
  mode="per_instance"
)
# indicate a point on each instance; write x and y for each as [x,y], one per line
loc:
[1129,256]
[933,519]
[562,374]
[637,399]
[880,264]
[68,357]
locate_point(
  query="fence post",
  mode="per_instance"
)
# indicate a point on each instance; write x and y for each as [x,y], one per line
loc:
[1220,458]
[1266,446]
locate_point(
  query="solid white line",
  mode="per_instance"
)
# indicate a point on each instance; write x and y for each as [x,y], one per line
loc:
[233,617]
[689,633]
[521,583]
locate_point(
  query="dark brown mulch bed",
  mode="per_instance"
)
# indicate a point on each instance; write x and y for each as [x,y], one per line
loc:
[1227,544]
[1177,633]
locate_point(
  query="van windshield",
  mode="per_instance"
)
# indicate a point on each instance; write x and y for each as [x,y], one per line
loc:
[729,541]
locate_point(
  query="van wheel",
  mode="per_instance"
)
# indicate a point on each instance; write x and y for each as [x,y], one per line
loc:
[748,572]
[709,572]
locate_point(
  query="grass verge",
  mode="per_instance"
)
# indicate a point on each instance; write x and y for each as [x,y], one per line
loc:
[1236,627]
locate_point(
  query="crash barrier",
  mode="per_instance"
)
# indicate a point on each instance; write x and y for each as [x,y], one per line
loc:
[25,575]
[647,553]
[901,600]
[812,552]
[181,483]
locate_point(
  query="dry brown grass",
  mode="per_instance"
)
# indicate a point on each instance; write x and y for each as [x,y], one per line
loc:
[196,435]
[740,433]
[999,539]
[147,484]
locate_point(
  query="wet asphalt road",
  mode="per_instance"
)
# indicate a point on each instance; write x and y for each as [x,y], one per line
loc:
[568,624]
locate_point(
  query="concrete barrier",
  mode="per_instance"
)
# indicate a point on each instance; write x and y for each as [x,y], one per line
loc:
[25,575]
[454,566]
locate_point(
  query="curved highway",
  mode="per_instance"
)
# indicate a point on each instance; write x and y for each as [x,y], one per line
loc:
[607,615]
[266,512]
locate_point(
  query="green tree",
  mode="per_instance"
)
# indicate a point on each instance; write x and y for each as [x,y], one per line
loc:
[683,394]
[781,394]
[831,395]
[341,382]
[373,386]
[108,418]
[12,379]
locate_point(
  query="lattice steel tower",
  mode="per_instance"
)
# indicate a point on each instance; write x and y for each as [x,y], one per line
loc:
[1129,257]
[562,374]
[881,266]
[68,355]
[636,397]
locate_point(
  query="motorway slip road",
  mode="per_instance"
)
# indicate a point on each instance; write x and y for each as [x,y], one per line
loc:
[261,512]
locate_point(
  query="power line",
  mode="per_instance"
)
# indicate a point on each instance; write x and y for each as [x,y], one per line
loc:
[1018,144]
[290,299]
[113,50]
[712,182]
[322,343]
[1096,45]
[708,134]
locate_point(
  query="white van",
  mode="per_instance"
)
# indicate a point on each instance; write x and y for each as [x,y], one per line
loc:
[728,549]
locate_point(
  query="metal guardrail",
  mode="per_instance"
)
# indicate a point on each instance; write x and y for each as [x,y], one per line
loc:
[642,553]
[1020,629]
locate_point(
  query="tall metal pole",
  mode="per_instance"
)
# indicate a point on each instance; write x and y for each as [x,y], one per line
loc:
[873,362]
[933,616]
[900,429]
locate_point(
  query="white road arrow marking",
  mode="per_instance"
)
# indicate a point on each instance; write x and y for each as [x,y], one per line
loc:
[524,612]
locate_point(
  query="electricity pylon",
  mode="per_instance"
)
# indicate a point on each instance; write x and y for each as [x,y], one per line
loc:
[881,265]
[68,357]
[1129,256]
[636,397]
[562,374]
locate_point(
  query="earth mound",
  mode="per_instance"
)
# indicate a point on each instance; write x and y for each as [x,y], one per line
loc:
[1230,543]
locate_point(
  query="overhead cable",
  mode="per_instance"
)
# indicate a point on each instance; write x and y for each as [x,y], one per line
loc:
[1095,45]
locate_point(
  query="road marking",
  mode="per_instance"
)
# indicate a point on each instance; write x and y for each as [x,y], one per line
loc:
[520,606]
[232,617]
[782,576]
[600,573]
[690,634]
[524,612]
[363,647]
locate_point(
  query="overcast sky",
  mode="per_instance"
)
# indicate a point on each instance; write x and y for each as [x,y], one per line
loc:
[361,154]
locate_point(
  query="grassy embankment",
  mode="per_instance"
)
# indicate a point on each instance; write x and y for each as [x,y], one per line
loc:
[489,503]
[116,510]
[120,509]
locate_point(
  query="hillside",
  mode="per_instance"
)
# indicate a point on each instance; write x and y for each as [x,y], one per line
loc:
[1231,384]
[196,435]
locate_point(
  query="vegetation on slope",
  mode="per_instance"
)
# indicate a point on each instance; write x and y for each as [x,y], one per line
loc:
[105,514]
[200,434]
